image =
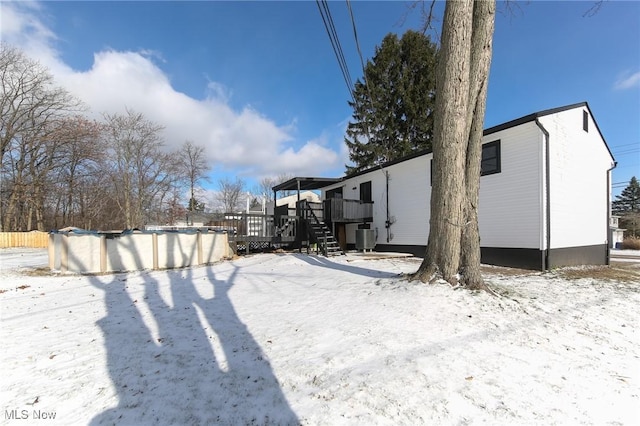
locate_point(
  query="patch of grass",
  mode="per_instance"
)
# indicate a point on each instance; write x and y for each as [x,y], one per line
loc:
[618,273]
[38,272]
[507,272]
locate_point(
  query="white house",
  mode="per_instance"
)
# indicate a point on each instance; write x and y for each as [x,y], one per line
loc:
[544,194]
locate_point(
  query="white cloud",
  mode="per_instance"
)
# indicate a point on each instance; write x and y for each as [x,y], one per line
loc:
[218,91]
[245,141]
[311,159]
[628,81]
[21,26]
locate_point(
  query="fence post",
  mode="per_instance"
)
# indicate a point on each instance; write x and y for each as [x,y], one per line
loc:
[154,249]
[51,249]
[199,246]
[103,253]
[64,253]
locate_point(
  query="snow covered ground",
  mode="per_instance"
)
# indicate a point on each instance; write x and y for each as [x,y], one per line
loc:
[288,339]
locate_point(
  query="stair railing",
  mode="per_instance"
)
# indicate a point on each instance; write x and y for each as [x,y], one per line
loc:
[310,216]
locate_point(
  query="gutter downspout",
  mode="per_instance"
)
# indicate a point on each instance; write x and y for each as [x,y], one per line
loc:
[388,222]
[608,255]
[545,257]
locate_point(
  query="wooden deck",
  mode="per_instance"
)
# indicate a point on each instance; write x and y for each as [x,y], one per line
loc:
[258,228]
[311,225]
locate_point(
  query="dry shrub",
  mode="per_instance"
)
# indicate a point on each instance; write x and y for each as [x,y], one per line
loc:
[631,243]
[38,272]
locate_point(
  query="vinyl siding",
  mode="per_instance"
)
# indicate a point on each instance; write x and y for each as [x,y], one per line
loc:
[351,191]
[510,214]
[512,210]
[409,196]
[509,211]
[579,162]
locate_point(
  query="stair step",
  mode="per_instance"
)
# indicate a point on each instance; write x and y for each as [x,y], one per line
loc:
[321,233]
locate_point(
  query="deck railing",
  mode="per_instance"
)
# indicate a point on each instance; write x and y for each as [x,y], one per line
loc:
[257,227]
[348,211]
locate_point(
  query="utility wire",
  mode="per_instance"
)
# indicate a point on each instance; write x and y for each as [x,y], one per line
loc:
[327,19]
[364,70]
[363,118]
[364,78]
[627,144]
[355,36]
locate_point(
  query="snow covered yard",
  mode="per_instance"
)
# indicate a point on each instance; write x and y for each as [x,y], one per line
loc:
[288,339]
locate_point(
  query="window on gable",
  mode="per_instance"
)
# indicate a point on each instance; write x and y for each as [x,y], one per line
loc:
[585,121]
[490,158]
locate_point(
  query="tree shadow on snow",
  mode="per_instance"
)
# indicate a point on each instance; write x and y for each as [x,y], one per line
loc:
[198,364]
[327,263]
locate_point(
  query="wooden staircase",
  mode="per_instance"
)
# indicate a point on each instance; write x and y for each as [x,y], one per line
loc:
[319,232]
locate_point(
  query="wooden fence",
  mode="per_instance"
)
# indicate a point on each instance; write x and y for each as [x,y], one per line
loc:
[35,239]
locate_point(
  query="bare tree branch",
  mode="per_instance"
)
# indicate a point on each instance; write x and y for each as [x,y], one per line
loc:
[594,9]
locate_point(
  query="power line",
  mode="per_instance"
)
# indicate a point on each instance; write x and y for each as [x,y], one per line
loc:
[355,36]
[364,75]
[627,144]
[364,70]
[626,152]
[327,19]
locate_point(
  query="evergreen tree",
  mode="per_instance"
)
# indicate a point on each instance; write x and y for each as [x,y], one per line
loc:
[195,205]
[393,108]
[627,206]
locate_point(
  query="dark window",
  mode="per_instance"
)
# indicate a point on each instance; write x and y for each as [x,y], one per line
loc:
[334,193]
[490,158]
[365,191]
[585,121]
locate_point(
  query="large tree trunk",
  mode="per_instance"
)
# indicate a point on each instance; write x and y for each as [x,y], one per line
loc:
[463,68]
[449,146]
[481,51]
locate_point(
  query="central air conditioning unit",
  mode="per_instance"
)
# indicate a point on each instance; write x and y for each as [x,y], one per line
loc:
[365,239]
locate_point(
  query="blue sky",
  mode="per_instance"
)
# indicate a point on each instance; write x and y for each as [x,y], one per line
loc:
[258,85]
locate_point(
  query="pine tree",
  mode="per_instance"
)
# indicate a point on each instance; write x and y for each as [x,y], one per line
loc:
[627,205]
[393,108]
[629,198]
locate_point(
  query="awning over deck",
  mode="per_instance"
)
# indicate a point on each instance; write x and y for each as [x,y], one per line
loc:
[305,184]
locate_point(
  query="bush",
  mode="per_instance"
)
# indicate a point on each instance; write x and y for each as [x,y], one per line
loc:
[631,243]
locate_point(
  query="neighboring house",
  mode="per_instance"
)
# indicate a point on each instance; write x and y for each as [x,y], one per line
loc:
[291,200]
[616,234]
[544,194]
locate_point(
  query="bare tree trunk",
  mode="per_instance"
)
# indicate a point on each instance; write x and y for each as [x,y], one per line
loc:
[29,219]
[463,69]
[127,206]
[481,51]
[449,147]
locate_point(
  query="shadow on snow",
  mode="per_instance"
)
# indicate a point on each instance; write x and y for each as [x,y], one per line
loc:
[202,367]
[324,262]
